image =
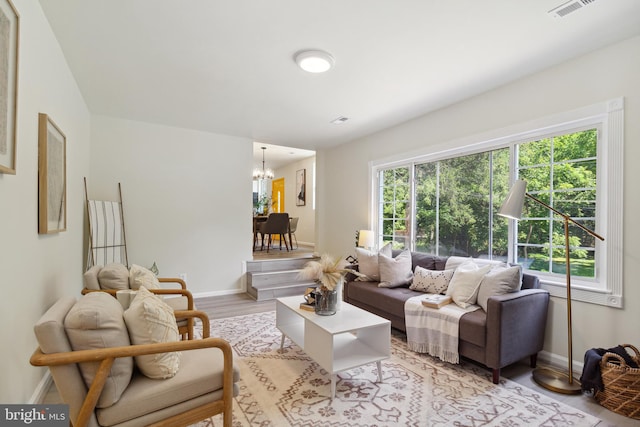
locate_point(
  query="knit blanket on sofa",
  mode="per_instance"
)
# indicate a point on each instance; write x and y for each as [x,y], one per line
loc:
[434,330]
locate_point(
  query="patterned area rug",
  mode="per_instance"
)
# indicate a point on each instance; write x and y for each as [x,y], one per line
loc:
[287,388]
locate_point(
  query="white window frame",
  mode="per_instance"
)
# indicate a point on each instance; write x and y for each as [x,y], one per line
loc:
[607,288]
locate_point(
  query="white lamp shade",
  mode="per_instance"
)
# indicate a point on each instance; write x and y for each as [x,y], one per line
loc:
[365,238]
[512,206]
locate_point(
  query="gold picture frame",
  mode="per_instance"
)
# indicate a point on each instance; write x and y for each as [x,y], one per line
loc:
[52,177]
[9,38]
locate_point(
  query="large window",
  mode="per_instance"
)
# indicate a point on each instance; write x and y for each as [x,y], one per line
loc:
[395,206]
[447,203]
[456,202]
[560,171]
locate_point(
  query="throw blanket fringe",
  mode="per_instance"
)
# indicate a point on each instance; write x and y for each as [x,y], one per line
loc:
[434,331]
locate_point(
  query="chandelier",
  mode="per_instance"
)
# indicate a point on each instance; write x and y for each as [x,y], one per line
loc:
[264,173]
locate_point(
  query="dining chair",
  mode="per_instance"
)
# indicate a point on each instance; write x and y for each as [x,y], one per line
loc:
[278,224]
[293,226]
[257,224]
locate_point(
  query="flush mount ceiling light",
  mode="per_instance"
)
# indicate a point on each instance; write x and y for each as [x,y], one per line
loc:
[314,61]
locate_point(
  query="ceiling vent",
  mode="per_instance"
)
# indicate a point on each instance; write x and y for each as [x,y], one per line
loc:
[569,7]
[339,120]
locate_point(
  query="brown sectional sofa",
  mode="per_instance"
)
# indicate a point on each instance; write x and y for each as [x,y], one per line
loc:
[511,329]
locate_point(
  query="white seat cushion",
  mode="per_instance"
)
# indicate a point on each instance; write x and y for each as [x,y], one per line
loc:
[200,373]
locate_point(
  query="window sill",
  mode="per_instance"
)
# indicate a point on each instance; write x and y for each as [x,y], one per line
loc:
[583,294]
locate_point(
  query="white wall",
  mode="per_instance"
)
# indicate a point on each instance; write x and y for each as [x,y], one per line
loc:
[37,269]
[186,196]
[306,214]
[594,78]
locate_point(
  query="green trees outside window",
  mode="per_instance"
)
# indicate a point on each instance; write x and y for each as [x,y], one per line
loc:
[448,207]
[560,171]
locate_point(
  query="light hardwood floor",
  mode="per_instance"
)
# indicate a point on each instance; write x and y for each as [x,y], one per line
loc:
[219,307]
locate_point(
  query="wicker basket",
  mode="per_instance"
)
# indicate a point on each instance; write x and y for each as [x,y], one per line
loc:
[621,384]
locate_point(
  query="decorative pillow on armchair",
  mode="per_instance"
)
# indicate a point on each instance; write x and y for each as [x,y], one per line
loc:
[114,276]
[95,321]
[90,278]
[140,276]
[368,262]
[431,281]
[396,271]
[150,320]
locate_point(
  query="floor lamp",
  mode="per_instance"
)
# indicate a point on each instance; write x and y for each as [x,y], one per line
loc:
[561,382]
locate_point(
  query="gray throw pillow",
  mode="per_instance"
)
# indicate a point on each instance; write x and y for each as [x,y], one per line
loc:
[500,280]
[396,271]
[368,262]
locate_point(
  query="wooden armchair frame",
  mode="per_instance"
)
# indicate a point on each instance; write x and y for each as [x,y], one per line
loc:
[107,356]
[186,331]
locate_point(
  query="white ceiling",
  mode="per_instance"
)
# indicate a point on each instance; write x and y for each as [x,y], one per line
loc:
[227,66]
[276,156]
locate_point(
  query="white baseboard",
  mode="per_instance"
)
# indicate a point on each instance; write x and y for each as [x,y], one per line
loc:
[218,293]
[559,362]
[307,244]
[40,393]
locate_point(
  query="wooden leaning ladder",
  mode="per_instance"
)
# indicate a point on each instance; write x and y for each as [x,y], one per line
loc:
[107,237]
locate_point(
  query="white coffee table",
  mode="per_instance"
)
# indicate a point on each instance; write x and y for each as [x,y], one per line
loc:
[350,338]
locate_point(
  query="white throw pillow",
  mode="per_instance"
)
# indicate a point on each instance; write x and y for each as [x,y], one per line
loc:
[500,280]
[96,322]
[368,262]
[454,262]
[431,281]
[140,276]
[465,282]
[396,271]
[150,320]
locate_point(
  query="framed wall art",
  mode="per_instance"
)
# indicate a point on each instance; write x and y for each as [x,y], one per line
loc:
[9,35]
[52,177]
[301,187]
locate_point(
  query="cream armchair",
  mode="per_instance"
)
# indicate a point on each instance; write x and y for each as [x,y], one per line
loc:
[101,385]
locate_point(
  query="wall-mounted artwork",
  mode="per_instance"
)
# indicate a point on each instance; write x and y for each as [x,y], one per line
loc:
[301,187]
[52,177]
[9,34]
